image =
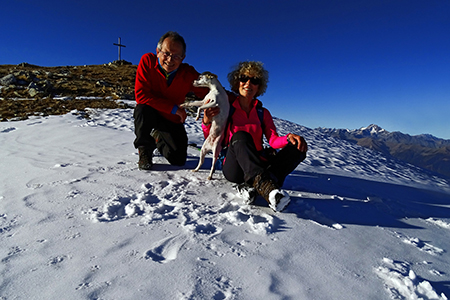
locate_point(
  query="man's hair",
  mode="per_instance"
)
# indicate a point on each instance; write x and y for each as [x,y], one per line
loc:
[174,36]
[252,68]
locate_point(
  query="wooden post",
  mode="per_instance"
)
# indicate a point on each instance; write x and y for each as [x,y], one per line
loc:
[120,46]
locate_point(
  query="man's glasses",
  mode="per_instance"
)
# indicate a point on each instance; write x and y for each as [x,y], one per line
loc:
[253,80]
[173,56]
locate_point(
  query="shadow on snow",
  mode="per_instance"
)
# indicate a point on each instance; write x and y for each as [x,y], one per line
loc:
[348,200]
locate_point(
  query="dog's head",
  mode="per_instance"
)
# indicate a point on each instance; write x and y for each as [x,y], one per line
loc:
[205,79]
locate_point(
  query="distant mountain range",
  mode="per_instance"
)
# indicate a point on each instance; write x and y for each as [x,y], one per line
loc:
[423,150]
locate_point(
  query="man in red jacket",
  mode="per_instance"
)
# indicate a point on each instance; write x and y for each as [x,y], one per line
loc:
[162,82]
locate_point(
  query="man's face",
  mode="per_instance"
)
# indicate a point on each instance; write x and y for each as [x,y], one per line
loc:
[171,55]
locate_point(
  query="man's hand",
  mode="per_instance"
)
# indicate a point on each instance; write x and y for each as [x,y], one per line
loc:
[298,141]
[209,113]
[182,114]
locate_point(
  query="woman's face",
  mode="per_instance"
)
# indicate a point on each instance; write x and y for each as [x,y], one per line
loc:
[247,89]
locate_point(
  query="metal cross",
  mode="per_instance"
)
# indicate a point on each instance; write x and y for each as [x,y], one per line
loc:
[120,46]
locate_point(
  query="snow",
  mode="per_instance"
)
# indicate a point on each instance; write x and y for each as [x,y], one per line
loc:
[78,220]
[373,129]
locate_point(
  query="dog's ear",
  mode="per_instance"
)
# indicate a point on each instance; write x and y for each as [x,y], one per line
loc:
[209,74]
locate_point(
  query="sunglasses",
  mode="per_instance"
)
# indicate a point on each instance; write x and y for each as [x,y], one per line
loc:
[253,80]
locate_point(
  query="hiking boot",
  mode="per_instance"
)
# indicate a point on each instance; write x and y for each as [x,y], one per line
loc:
[266,187]
[247,193]
[145,158]
[278,200]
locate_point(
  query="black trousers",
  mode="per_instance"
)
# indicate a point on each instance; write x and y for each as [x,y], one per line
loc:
[243,162]
[172,142]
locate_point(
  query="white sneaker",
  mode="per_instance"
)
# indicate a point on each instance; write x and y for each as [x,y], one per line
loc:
[278,200]
[247,193]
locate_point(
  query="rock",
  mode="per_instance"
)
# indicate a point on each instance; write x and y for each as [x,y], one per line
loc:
[46,85]
[103,83]
[24,64]
[42,88]
[64,73]
[8,80]
[33,92]
[33,89]
[120,63]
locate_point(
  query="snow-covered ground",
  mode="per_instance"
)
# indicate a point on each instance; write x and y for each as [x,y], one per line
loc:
[78,220]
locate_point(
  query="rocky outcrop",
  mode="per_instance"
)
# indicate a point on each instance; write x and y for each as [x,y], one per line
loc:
[26,81]
[27,89]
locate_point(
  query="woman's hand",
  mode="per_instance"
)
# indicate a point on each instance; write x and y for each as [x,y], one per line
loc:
[209,113]
[298,141]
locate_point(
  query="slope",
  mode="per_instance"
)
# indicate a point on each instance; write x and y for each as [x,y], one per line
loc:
[78,219]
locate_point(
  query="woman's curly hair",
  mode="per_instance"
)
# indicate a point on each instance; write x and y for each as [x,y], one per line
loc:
[250,68]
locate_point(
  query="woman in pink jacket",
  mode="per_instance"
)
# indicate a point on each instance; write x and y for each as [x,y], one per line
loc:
[247,163]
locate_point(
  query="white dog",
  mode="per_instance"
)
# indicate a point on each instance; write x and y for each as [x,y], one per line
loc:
[217,97]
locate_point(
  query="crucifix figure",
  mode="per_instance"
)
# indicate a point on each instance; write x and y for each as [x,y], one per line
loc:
[120,46]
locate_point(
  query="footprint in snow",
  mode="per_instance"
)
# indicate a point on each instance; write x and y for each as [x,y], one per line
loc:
[6,130]
[419,244]
[237,215]
[165,250]
[207,229]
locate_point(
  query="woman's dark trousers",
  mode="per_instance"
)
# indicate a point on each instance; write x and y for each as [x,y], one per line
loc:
[243,162]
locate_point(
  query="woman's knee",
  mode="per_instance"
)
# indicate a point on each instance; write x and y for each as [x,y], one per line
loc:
[241,136]
[292,152]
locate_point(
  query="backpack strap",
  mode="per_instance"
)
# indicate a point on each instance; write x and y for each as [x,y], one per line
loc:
[260,111]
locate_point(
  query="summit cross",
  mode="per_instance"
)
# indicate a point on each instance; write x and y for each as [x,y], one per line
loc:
[120,46]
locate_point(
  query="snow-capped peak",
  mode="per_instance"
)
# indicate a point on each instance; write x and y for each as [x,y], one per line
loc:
[373,129]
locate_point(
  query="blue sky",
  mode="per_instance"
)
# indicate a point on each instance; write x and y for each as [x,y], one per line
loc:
[337,64]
